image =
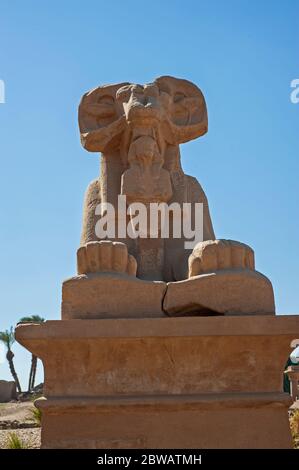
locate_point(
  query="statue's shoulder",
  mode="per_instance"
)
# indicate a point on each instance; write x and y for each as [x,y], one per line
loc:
[93,191]
[194,188]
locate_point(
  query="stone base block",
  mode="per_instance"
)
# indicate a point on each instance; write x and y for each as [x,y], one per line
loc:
[192,382]
[112,295]
[185,421]
[105,295]
[228,292]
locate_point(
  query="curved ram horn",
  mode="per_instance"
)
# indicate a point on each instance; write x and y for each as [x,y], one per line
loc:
[101,119]
[186,116]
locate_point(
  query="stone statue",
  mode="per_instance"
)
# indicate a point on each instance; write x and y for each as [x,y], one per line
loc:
[119,372]
[138,129]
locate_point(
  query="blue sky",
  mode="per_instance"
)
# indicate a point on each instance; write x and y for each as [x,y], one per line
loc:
[242,54]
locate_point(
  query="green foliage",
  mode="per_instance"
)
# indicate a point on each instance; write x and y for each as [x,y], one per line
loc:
[7,337]
[14,442]
[36,415]
[294,423]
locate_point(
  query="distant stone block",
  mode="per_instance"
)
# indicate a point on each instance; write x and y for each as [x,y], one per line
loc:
[7,391]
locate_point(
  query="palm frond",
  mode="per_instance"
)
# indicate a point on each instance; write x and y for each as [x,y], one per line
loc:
[7,337]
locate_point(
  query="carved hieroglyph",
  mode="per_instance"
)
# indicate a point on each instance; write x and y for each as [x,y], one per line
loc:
[138,129]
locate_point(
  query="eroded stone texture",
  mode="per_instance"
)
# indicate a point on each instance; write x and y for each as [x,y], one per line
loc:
[228,291]
[138,129]
[217,255]
[105,256]
[120,379]
[111,295]
[213,382]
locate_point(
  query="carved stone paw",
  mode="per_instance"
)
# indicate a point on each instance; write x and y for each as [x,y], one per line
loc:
[105,256]
[215,255]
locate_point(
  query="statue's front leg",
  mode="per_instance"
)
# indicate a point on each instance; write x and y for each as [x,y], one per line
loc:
[105,257]
[215,255]
[107,287]
[222,280]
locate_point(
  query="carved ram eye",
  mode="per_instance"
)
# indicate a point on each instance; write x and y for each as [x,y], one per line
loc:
[106,99]
[178,97]
[180,112]
[105,107]
[102,108]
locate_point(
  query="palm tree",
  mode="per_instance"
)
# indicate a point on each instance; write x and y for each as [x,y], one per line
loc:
[8,338]
[32,319]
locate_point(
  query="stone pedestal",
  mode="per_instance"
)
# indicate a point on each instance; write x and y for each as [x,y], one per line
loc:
[193,382]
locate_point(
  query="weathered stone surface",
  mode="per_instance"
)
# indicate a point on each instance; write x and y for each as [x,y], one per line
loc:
[204,382]
[229,292]
[7,391]
[105,256]
[120,379]
[236,421]
[138,129]
[216,255]
[162,355]
[111,295]
[118,295]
